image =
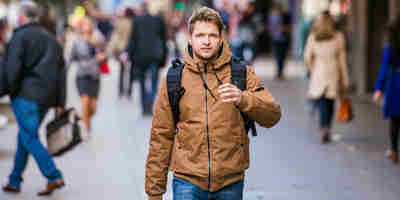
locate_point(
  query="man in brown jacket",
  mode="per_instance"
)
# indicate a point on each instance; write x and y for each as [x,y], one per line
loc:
[208,150]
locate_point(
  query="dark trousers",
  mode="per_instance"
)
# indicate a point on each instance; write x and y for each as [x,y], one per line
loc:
[125,79]
[394,133]
[326,107]
[148,93]
[280,50]
[122,79]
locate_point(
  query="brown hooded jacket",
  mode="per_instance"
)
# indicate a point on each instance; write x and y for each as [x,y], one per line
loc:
[210,147]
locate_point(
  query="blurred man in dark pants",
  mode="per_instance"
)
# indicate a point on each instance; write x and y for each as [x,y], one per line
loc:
[35,78]
[117,47]
[279,25]
[147,49]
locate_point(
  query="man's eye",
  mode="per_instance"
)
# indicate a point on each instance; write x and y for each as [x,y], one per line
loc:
[213,36]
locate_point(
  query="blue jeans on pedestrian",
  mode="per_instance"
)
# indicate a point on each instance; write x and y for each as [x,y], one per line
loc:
[184,190]
[149,94]
[29,115]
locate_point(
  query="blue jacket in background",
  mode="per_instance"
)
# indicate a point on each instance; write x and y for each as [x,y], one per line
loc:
[389,82]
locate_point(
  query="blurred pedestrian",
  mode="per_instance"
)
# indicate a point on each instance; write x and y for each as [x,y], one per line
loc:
[47,20]
[248,33]
[148,50]
[225,13]
[325,56]
[176,25]
[234,38]
[234,20]
[279,26]
[117,47]
[103,21]
[35,77]
[208,163]
[87,51]
[388,83]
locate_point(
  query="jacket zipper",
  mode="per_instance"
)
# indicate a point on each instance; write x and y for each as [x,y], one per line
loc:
[208,135]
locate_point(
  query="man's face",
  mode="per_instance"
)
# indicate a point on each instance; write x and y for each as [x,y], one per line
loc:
[205,40]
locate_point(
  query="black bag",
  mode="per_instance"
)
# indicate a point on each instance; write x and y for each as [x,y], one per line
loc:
[63,133]
[176,91]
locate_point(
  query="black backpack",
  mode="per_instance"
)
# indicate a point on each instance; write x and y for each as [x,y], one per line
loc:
[176,91]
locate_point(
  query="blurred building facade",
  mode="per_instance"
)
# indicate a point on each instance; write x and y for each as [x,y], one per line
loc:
[367,25]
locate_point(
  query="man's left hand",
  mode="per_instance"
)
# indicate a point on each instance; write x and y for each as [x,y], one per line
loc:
[229,93]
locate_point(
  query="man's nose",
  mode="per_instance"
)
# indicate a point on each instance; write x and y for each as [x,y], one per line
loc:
[206,40]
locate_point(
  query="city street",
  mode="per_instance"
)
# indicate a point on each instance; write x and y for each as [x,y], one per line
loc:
[287,162]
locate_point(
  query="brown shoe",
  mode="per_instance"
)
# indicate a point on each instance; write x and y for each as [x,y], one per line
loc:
[51,187]
[11,189]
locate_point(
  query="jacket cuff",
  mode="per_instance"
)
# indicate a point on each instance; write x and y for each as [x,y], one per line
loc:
[243,102]
[157,197]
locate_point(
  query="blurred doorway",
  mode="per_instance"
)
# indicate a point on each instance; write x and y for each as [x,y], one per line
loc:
[377,19]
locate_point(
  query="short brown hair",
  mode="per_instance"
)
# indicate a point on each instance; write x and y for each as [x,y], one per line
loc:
[205,14]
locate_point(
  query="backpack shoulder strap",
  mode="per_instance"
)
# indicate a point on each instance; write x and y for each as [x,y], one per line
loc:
[174,87]
[238,73]
[239,79]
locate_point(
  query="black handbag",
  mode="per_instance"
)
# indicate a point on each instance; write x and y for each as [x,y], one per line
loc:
[63,133]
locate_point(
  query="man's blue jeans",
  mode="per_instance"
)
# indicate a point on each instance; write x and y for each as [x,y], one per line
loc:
[184,190]
[29,115]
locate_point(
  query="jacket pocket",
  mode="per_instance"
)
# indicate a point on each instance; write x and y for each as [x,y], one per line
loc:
[177,155]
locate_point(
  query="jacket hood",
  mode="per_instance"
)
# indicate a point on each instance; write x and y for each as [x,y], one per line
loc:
[224,57]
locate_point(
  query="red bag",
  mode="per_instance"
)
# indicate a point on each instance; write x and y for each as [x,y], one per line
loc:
[104,69]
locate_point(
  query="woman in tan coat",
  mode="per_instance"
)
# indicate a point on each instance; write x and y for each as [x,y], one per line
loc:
[325,56]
